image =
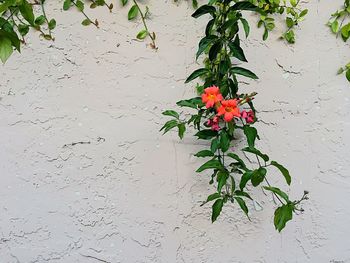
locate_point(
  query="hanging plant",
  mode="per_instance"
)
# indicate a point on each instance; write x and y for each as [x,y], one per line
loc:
[221,112]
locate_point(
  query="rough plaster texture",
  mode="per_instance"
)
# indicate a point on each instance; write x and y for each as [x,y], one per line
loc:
[130,194]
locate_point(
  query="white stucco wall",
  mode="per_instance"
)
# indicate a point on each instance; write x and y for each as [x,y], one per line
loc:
[133,196]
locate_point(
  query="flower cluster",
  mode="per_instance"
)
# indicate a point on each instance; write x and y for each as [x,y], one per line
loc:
[227,109]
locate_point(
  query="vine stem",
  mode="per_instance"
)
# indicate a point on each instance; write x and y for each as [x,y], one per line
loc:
[47,20]
[143,18]
[88,18]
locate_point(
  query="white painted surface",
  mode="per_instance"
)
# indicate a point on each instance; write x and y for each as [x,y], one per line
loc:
[133,196]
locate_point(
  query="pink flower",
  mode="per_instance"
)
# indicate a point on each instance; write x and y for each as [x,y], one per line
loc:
[229,109]
[211,96]
[248,116]
[214,123]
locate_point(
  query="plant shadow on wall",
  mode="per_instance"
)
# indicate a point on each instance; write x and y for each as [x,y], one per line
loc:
[221,112]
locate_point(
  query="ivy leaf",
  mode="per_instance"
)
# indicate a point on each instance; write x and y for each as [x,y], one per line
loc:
[52,24]
[283,214]
[283,170]
[26,10]
[5,49]
[204,153]
[67,4]
[278,192]
[142,34]
[86,22]
[211,164]
[204,9]
[251,133]
[258,176]
[133,12]
[197,73]
[347,74]
[244,72]
[80,5]
[216,209]
[242,204]
[40,20]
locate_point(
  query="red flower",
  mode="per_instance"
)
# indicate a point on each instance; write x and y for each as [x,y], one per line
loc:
[214,123]
[211,96]
[229,109]
[248,116]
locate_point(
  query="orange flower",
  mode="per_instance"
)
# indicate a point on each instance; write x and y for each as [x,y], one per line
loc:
[211,96]
[229,109]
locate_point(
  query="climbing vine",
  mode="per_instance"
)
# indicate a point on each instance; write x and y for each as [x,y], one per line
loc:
[340,26]
[222,112]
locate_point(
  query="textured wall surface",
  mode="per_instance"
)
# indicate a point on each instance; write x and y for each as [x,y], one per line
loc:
[129,194]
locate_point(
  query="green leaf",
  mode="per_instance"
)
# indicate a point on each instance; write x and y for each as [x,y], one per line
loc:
[40,20]
[182,129]
[204,44]
[251,133]
[246,177]
[23,29]
[289,36]
[169,125]
[289,22]
[80,5]
[245,5]
[221,178]
[239,160]
[294,3]
[244,72]
[5,49]
[206,134]
[237,51]
[204,9]
[215,50]
[171,113]
[283,214]
[211,198]
[242,204]
[194,3]
[244,194]
[211,164]
[142,34]
[26,10]
[258,176]
[257,152]
[283,170]
[197,73]
[124,2]
[278,192]
[52,24]
[191,103]
[214,145]
[245,26]
[347,74]
[216,209]
[86,22]
[133,12]
[67,4]
[204,153]
[224,141]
